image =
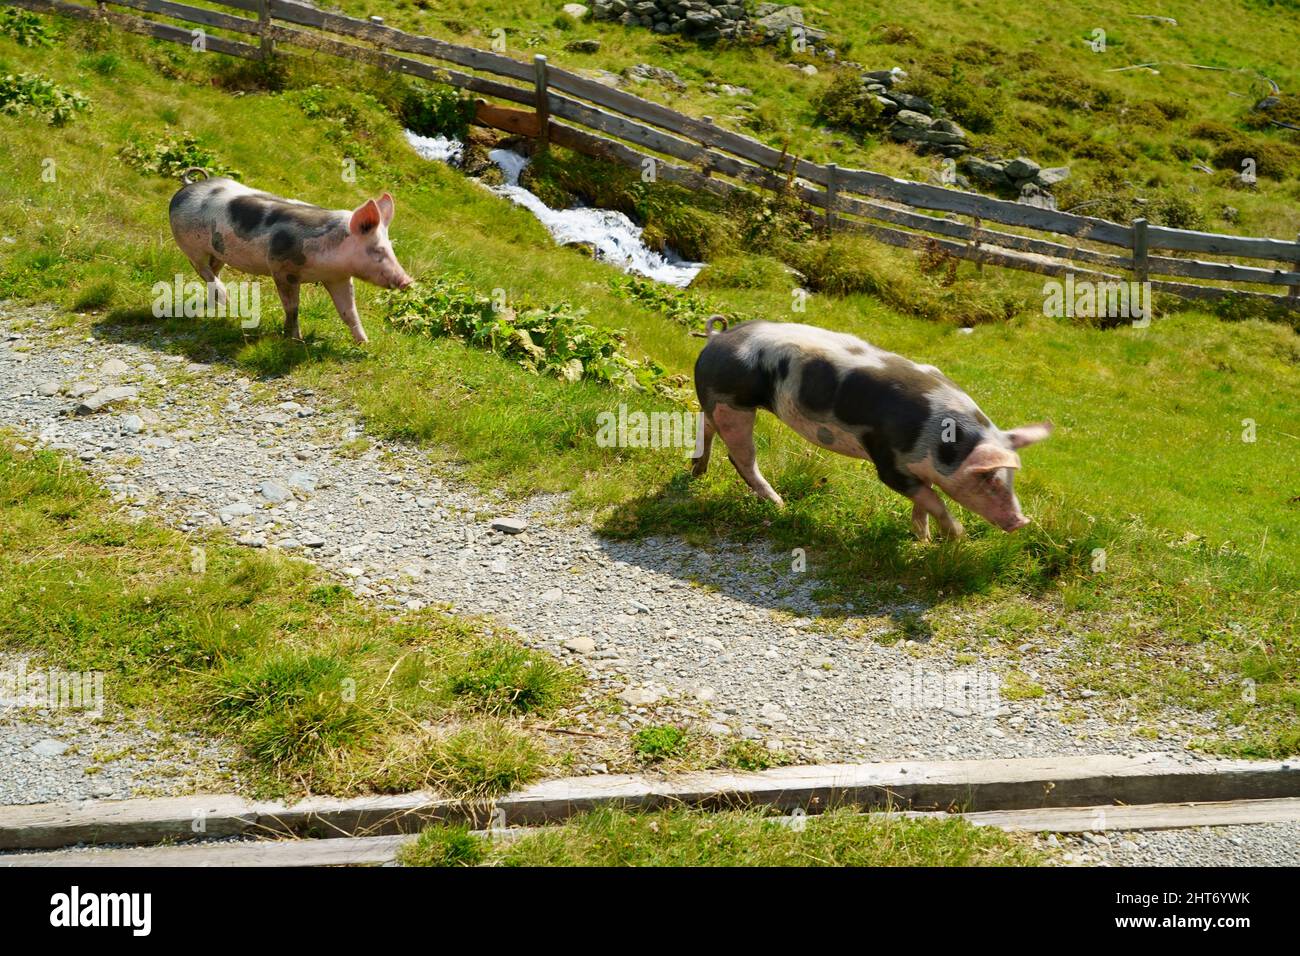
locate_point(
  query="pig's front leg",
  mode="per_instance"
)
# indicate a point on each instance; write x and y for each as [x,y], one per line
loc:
[925,502]
[346,303]
[288,287]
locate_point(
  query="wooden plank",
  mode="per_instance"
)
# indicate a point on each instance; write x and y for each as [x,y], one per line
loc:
[612,151]
[323,44]
[959,230]
[210,18]
[519,122]
[980,254]
[705,133]
[1188,291]
[132,24]
[969,786]
[1156,816]
[1221,271]
[394,39]
[926,196]
[340,851]
[1185,240]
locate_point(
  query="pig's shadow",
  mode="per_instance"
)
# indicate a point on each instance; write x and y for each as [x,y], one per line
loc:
[763,572]
[751,574]
[221,341]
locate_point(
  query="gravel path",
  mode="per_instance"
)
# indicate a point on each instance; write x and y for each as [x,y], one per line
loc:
[1260,844]
[727,633]
[726,638]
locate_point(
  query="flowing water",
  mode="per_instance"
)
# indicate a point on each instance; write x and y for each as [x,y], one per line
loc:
[614,237]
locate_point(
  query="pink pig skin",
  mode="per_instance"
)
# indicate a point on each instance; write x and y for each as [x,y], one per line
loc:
[219,222]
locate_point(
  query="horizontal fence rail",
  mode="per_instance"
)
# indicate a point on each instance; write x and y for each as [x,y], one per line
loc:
[558,106]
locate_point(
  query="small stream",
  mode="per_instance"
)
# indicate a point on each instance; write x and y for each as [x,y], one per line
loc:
[615,238]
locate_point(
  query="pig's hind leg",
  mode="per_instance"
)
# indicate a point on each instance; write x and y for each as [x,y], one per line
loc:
[209,269]
[707,431]
[736,426]
[288,287]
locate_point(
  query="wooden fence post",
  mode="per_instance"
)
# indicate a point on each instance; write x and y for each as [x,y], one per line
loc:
[975,243]
[832,192]
[264,21]
[1140,270]
[1295,289]
[543,101]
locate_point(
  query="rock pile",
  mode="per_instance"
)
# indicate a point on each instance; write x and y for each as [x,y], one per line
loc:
[701,19]
[1024,177]
[710,19]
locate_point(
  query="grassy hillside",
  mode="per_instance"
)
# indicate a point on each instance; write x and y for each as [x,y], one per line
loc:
[1201,529]
[1022,84]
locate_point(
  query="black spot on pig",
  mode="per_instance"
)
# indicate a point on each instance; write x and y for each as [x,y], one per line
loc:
[783,368]
[722,375]
[286,244]
[246,215]
[884,455]
[218,244]
[892,412]
[818,382]
[825,436]
[956,439]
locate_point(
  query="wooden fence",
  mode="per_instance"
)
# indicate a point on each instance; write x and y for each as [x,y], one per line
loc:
[574,111]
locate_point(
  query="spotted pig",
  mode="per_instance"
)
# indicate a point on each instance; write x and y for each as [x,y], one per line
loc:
[219,222]
[917,427]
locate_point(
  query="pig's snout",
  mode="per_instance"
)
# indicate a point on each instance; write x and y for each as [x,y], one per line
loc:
[404,282]
[1016,523]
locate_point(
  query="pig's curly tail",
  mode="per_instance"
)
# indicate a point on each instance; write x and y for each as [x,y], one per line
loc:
[714,325]
[185,174]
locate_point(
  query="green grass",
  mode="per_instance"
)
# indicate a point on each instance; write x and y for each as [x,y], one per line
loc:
[1200,529]
[316,690]
[681,837]
[655,743]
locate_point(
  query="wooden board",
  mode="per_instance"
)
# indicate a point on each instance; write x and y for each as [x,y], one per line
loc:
[209,18]
[161,31]
[342,851]
[395,39]
[1156,816]
[519,122]
[967,786]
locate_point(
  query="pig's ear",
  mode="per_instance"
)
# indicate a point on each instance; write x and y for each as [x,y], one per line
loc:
[386,207]
[365,219]
[1029,434]
[989,456]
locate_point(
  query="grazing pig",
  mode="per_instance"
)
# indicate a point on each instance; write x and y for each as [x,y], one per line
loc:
[220,222]
[917,427]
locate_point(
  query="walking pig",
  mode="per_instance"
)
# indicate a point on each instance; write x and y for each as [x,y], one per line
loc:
[919,429]
[220,222]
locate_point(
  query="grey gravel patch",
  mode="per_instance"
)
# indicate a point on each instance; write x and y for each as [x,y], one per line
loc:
[665,619]
[1256,844]
[53,754]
